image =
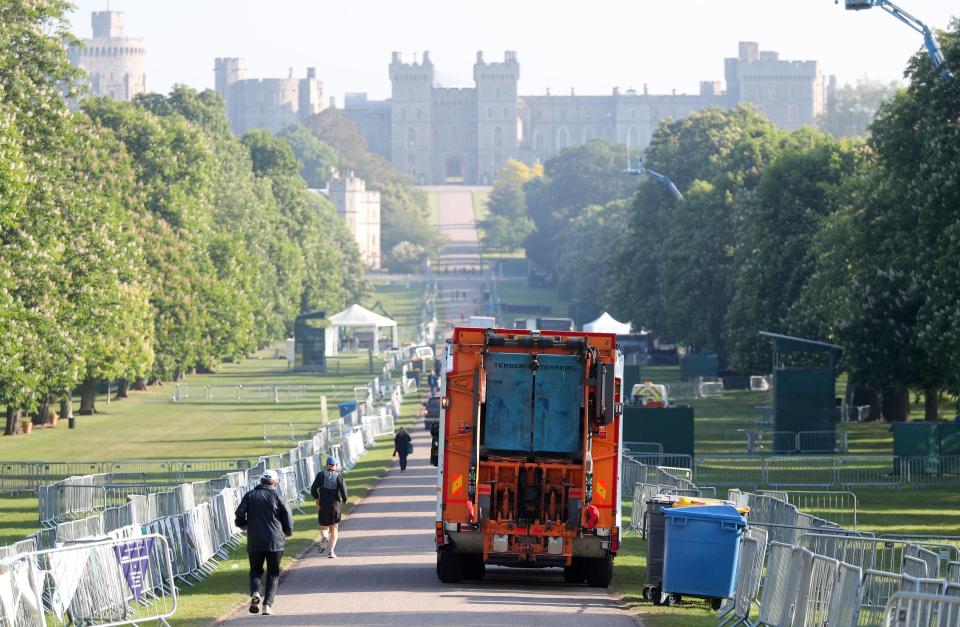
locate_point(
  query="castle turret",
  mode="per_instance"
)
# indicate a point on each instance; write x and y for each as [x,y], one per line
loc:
[497,121]
[411,114]
[114,63]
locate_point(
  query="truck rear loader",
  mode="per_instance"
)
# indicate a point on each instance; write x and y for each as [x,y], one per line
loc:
[528,453]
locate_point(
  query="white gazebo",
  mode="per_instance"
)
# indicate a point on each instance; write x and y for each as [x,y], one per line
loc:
[356,316]
[607,324]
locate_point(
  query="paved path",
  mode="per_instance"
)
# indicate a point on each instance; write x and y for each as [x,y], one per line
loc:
[385,573]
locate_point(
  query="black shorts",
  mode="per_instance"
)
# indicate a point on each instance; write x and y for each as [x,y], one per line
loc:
[329,514]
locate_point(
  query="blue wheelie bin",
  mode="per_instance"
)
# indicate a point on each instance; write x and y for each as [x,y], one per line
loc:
[346,409]
[701,550]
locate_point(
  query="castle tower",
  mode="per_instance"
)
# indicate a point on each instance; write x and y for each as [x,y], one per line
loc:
[114,63]
[497,121]
[411,116]
[228,71]
[359,208]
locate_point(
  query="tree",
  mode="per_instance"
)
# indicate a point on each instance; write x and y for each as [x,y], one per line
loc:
[851,108]
[886,270]
[578,177]
[404,211]
[316,158]
[680,254]
[508,224]
[798,191]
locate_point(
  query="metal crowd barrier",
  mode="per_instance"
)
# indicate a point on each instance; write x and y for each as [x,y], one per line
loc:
[118,581]
[787,442]
[250,393]
[826,472]
[913,610]
[835,505]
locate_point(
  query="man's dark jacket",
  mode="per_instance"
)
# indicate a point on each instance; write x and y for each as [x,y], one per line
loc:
[267,517]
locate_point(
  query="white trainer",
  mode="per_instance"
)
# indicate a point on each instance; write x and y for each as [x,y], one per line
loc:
[267,610]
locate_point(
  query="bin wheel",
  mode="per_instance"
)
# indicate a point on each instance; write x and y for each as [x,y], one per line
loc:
[671,599]
[646,593]
[716,604]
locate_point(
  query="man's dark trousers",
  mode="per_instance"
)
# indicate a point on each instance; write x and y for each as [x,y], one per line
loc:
[272,559]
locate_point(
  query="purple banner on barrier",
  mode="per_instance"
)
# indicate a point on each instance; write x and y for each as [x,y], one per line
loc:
[134,559]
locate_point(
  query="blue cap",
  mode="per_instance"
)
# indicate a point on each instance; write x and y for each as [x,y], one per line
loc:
[331,461]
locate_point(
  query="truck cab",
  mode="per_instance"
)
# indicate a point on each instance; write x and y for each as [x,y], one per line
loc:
[528,453]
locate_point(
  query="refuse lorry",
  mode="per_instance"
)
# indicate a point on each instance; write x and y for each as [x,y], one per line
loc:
[528,454]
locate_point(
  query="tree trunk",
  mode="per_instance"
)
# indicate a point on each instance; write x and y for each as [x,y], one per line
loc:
[931,405]
[140,384]
[896,404]
[88,397]
[13,422]
[123,387]
[66,407]
[177,374]
[43,413]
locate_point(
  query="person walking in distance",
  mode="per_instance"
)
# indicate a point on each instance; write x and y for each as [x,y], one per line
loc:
[267,519]
[402,447]
[330,492]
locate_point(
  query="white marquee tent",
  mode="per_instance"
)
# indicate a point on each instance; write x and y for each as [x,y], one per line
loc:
[356,316]
[607,324]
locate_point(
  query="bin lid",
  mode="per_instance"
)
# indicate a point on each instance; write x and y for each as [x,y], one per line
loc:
[696,501]
[723,513]
[350,404]
[666,499]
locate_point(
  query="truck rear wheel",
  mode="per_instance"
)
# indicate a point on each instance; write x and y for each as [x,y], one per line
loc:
[449,567]
[576,572]
[473,567]
[599,571]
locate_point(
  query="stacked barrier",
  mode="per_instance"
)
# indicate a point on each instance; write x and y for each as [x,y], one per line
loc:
[122,580]
[828,575]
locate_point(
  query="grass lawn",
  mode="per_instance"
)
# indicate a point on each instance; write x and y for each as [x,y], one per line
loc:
[402,300]
[517,292]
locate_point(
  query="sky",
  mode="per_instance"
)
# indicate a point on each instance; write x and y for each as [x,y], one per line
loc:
[589,46]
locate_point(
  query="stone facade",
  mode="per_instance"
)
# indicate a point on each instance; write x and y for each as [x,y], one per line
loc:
[270,104]
[114,63]
[360,210]
[442,134]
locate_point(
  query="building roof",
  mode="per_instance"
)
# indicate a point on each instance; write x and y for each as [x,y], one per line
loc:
[790,344]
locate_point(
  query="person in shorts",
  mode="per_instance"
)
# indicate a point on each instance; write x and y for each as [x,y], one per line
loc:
[330,493]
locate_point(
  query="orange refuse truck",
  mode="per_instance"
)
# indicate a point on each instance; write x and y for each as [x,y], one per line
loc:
[528,453]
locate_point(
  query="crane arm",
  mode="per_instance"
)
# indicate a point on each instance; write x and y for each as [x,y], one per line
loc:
[933,48]
[660,178]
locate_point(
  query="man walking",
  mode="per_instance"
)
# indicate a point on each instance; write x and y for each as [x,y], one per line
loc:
[402,447]
[330,492]
[267,519]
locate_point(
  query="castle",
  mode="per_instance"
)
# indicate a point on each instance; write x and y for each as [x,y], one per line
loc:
[113,62]
[359,208]
[443,134]
[271,104]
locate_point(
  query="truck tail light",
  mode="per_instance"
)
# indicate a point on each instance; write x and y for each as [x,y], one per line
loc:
[614,540]
[440,532]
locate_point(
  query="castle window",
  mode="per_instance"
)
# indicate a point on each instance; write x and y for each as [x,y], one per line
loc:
[497,138]
[793,114]
[562,139]
[506,114]
[403,114]
[490,113]
[632,139]
[498,92]
[588,134]
[538,140]
[411,138]
[419,114]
